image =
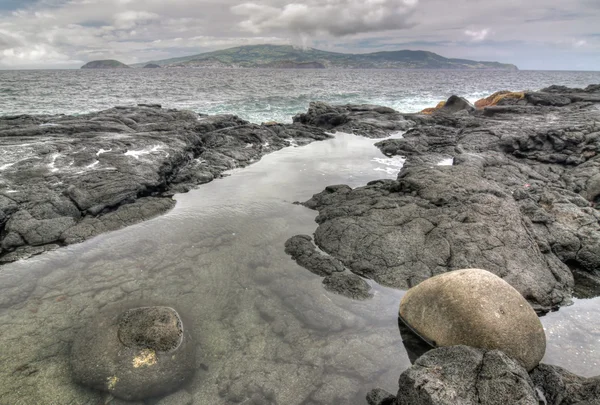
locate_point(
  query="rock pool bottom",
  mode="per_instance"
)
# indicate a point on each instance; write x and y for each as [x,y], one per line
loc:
[266,329]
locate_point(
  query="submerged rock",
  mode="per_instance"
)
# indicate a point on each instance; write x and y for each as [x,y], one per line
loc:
[349,285]
[475,308]
[304,252]
[137,354]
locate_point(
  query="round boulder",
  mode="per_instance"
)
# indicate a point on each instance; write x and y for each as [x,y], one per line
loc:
[475,308]
[134,354]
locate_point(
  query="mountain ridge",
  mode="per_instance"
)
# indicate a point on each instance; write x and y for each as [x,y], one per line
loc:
[287,56]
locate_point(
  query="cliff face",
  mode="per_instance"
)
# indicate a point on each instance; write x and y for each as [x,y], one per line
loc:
[105,64]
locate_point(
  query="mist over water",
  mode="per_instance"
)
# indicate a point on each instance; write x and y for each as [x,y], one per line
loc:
[259,95]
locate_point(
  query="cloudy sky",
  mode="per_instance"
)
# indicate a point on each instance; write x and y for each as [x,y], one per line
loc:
[534,34]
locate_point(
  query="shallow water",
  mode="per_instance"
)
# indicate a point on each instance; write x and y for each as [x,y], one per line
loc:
[267,331]
[259,95]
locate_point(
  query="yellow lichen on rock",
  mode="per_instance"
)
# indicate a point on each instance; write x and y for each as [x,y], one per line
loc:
[111,382]
[147,357]
[431,110]
[495,98]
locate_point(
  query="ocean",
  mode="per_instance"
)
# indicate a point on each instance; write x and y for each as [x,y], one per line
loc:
[259,95]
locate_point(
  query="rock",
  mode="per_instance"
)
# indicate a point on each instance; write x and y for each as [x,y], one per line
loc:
[498,98]
[380,397]
[560,387]
[152,66]
[304,252]
[465,375]
[365,120]
[348,285]
[136,354]
[455,104]
[70,178]
[534,159]
[475,308]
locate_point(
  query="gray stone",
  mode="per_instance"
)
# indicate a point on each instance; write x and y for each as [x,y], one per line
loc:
[77,177]
[561,387]
[136,354]
[455,104]
[305,253]
[380,397]
[475,308]
[349,285]
[520,199]
[462,375]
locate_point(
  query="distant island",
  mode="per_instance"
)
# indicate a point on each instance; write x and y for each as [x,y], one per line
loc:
[151,66]
[105,64]
[290,57]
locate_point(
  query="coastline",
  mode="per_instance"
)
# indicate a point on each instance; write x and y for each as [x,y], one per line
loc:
[67,179]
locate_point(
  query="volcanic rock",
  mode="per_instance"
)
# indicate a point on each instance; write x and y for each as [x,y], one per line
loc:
[520,198]
[136,354]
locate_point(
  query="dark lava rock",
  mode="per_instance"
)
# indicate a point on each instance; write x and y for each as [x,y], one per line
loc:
[136,354]
[520,198]
[380,397]
[456,104]
[464,375]
[348,285]
[304,252]
[560,387]
[66,179]
[366,120]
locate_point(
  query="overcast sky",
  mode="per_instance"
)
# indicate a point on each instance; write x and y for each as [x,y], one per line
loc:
[533,34]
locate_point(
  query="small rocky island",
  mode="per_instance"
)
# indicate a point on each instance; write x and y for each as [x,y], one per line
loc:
[105,64]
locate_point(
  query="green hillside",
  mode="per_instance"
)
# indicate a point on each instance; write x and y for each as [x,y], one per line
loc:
[286,56]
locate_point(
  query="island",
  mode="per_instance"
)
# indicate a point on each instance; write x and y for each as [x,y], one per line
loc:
[291,57]
[105,64]
[151,66]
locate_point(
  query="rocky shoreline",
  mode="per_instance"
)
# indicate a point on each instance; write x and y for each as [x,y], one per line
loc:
[512,188]
[66,179]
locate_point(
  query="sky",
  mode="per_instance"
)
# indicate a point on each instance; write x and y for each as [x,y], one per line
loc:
[533,34]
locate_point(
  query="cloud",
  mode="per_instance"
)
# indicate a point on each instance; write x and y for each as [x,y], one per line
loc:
[129,19]
[478,36]
[333,17]
[68,33]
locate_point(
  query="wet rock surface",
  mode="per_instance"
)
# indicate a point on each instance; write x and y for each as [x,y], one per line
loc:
[475,308]
[366,120]
[137,354]
[65,179]
[465,375]
[520,197]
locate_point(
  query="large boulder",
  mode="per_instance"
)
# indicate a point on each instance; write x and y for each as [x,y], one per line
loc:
[476,308]
[134,354]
